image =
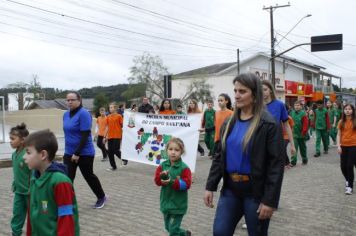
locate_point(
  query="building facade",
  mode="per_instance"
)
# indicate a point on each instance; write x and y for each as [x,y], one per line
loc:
[295,79]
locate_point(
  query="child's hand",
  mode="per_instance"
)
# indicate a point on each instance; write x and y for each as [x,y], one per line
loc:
[164,173]
[165,182]
[339,150]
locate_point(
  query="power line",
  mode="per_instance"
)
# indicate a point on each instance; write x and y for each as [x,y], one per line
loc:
[118,28]
[177,21]
[98,34]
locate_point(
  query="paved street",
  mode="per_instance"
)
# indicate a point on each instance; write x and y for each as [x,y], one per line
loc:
[312,201]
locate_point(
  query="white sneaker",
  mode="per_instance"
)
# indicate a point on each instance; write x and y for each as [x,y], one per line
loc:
[346,185]
[244,226]
[348,191]
[111,169]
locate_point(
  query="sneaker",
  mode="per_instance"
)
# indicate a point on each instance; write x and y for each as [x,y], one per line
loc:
[124,162]
[305,162]
[317,155]
[244,226]
[111,169]
[100,203]
[104,159]
[348,191]
[188,233]
[202,154]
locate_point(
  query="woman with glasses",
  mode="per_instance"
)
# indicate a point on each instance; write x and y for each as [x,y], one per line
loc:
[79,148]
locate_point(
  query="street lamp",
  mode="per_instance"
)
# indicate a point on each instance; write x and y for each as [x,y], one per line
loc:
[309,15]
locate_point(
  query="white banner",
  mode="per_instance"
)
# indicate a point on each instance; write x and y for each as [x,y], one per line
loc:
[145,136]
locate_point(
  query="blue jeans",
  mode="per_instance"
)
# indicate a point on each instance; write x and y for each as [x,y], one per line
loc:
[229,211]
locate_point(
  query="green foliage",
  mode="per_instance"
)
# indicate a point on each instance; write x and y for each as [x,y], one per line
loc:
[134,91]
[100,100]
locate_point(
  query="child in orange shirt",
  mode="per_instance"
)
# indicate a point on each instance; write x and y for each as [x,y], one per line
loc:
[346,145]
[102,124]
[220,116]
[114,135]
[166,108]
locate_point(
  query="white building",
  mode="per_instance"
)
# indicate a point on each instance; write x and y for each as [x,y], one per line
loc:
[14,103]
[295,79]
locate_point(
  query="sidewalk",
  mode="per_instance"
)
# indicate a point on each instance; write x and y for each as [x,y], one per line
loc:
[312,201]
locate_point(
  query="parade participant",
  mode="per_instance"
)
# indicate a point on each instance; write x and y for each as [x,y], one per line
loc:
[166,108]
[331,114]
[102,126]
[145,106]
[21,179]
[113,136]
[194,109]
[322,127]
[225,111]
[174,177]
[53,206]
[287,164]
[311,122]
[209,127]
[78,148]
[180,110]
[346,143]
[337,116]
[278,111]
[249,159]
[300,130]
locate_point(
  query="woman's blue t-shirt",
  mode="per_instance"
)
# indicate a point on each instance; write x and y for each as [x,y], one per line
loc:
[73,126]
[278,110]
[236,159]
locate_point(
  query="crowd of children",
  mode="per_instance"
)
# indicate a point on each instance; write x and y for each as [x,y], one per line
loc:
[47,189]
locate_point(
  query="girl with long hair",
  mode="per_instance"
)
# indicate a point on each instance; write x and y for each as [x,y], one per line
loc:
[346,145]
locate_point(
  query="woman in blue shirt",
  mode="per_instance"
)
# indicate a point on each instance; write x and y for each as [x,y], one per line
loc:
[79,147]
[249,159]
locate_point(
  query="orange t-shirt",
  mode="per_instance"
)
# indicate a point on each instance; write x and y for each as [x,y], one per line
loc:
[167,112]
[102,123]
[291,124]
[114,126]
[347,134]
[220,117]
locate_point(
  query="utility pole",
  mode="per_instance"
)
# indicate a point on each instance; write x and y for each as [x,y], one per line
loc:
[273,69]
[238,61]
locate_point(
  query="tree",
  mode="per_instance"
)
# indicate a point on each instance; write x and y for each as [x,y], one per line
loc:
[149,70]
[35,88]
[134,91]
[100,100]
[199,90]
[336,88]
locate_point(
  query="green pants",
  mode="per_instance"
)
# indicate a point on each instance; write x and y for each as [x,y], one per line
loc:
[19,212]
[172,224]
[300,144]
[209,141]
[333,133]
[321,134]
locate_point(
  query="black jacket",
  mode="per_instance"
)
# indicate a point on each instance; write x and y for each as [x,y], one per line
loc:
[145,108]
[267,162]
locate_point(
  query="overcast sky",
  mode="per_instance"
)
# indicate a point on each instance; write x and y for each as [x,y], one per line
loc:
[97,40]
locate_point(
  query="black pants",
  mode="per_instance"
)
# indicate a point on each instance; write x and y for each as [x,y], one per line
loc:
[200,149]
[102,147]
[347,162]
[85,164]
[114,149]
[286,141]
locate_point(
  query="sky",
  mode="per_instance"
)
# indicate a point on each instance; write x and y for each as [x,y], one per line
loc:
[72,44]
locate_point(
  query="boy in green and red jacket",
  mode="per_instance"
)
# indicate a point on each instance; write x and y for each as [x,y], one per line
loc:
[322,127]
[209,127]
[300,130]
[53,207]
